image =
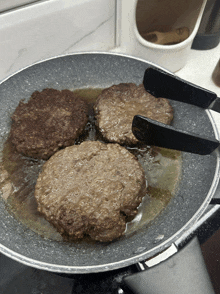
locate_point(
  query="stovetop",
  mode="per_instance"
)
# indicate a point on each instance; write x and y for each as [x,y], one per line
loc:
[20,279]
[16,278]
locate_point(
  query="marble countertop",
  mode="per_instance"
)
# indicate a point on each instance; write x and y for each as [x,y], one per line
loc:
[200,66]
[199,69]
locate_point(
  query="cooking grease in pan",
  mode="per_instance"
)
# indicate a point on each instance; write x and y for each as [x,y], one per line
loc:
[19,175]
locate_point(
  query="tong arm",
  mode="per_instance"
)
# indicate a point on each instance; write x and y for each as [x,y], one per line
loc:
[158,134]
[160,83]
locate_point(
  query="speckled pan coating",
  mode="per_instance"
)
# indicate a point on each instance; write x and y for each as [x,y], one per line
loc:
[198,184]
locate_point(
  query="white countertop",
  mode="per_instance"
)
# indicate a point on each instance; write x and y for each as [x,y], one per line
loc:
[199,69]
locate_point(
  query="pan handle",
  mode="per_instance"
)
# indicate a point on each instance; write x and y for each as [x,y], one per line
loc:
[183,273]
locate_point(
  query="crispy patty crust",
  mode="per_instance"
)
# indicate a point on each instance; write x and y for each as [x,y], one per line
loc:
[50,120]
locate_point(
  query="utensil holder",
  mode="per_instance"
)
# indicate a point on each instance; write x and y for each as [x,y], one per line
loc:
[136,17]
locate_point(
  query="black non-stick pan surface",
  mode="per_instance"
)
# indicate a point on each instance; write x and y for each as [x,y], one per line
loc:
[198,183]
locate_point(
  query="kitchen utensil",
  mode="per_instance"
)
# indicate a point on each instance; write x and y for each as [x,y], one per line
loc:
[216,74]
[198,184]
[161,83]
[158,134]
[167,38]
[208,35]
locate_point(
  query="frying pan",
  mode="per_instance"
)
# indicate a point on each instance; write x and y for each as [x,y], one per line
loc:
[198,184]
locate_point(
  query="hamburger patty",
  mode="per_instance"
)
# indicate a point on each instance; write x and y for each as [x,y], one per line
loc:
[116,106]
[50,120]
[90,189]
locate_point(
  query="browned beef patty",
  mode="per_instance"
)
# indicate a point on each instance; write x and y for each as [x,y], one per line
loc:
[50,120]
[116,106]
[89,189]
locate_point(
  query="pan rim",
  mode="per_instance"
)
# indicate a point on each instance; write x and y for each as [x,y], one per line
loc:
[123,263]
[84,53]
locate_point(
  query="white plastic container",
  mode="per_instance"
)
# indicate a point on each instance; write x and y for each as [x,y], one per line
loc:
[134,16]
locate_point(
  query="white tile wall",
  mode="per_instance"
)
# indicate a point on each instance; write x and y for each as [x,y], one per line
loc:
[52,28]
[11,4]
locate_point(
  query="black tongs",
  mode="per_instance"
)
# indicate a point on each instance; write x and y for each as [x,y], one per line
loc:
[160,83]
